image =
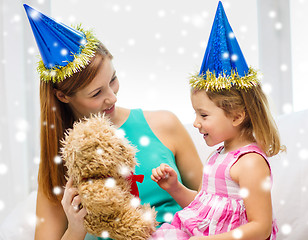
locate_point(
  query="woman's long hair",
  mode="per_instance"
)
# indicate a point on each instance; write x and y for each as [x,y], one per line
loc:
[56,117]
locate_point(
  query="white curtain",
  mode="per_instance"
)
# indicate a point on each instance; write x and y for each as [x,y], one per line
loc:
[19,106]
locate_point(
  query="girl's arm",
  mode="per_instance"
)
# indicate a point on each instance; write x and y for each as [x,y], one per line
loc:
[52,223]
[252,173]
[167,179]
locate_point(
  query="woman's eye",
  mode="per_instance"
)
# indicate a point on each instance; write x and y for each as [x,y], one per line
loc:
[113,79]
[96,94]
[203,115]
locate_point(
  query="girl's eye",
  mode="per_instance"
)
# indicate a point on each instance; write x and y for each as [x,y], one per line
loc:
[203,115]
[96,94]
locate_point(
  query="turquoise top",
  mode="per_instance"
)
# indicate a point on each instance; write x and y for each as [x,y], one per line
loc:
[151,152]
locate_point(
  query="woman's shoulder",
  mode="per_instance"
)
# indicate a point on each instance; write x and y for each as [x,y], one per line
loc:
[166,126]
[159,113]
[162,118]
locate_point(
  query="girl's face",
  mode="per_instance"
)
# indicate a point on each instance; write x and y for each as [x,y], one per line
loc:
[211,120]
[99,96]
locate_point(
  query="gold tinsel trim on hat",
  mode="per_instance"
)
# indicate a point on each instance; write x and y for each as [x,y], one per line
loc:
[210,82]
[81,60]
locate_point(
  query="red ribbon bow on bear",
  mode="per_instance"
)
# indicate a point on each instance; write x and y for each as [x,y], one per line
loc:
[133,183]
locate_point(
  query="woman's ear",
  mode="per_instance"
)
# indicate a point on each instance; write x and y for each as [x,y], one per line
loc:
[61,96]
[238,118]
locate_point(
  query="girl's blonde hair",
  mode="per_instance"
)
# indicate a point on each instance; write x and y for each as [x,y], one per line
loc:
[258,125]
[56,117]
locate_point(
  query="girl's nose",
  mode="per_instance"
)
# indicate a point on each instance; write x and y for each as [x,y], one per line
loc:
[197,124]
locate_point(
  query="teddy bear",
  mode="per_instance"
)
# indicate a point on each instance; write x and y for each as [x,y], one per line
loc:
[101,163]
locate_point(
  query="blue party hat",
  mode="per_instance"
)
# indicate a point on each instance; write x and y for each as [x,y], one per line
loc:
[64,50]
[223,64]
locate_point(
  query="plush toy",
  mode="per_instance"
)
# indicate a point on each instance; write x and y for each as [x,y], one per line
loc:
[102,163]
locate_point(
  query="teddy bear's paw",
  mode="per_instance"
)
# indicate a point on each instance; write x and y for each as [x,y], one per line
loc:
[149,216]
[136,223]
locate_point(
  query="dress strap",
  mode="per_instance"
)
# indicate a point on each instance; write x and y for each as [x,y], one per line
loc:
[251,148]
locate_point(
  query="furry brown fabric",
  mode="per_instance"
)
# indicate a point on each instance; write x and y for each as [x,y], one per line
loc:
[99,161]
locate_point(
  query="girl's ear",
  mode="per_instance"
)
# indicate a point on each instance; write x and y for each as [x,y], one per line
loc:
[238,118]
[61,96]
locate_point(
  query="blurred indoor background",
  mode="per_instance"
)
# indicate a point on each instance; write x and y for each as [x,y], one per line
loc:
[156,45]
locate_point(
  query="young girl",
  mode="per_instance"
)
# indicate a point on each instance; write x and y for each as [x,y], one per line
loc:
[71,89]
[234,200]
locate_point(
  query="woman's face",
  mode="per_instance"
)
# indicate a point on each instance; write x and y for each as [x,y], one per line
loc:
[99,96]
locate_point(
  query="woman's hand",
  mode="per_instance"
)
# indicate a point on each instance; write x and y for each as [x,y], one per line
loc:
[71,204]
[165,177]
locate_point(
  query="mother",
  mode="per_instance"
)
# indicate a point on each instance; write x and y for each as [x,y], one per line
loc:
[77,79]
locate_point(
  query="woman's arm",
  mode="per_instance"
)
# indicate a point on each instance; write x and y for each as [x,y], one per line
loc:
[186,155]
[252,173]
[173,135]
[52,223]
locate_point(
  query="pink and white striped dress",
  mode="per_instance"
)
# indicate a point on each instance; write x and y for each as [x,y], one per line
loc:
[218,207]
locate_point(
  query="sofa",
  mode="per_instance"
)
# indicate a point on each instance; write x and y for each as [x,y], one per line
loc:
[289,193]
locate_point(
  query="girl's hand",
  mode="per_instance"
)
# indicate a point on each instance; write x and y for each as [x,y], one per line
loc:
[165,177]
[71,204]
